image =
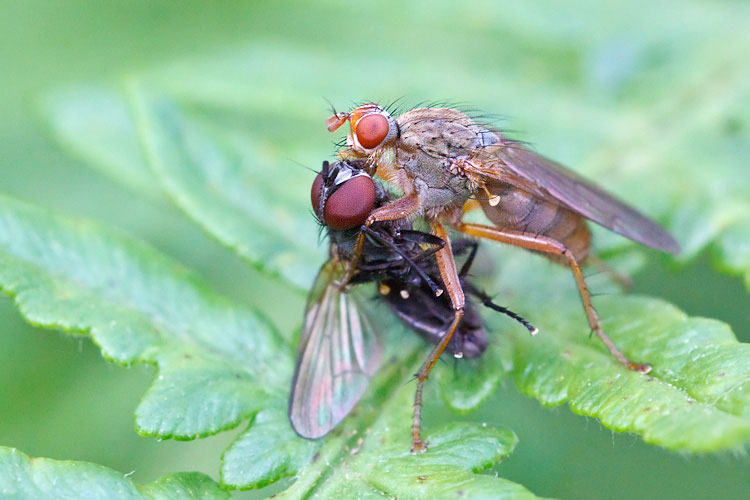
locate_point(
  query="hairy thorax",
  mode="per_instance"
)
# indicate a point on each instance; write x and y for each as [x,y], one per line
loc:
[424,159]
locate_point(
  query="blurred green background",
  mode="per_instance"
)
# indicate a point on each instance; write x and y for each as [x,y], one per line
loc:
[58,397]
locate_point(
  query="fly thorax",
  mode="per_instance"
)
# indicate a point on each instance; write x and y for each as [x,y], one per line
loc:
[434,182]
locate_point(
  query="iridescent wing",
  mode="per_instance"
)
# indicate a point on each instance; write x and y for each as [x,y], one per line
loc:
[510,162]
[338,354]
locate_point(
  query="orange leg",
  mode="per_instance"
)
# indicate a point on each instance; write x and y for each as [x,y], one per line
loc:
[552,246]
[397,209]
[448,273]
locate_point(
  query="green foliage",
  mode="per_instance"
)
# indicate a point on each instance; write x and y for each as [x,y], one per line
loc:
[219,136]
[694,399]
[23,477]
[111,144]
[217,361]
[226,184]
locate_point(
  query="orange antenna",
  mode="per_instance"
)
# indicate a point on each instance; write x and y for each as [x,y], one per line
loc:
[334,122]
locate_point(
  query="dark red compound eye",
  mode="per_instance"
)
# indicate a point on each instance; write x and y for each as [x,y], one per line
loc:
[371,130]
[315,192]
[350,205]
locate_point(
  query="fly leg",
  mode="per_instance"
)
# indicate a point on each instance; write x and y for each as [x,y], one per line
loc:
[397,209]
[420,272]
[452,284]
[552,246]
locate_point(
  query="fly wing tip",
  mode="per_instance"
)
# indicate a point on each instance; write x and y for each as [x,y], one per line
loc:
[670,245]
[305,431]
[658,238]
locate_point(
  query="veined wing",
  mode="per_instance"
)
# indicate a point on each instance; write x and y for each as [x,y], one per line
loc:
[508,161]
[338,354]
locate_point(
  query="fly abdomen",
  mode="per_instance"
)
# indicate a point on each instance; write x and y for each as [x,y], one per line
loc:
[518,210]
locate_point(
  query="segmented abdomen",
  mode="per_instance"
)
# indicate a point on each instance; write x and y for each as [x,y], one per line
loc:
[518,210]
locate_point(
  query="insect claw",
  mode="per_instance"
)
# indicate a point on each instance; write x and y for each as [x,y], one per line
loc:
[640,367]
[418,447]
[534,331]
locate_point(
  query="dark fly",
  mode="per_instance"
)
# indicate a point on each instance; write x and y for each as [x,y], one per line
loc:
[339,349]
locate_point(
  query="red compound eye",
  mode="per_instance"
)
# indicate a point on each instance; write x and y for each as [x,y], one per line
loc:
[350,205]
[371,130]
[315,192]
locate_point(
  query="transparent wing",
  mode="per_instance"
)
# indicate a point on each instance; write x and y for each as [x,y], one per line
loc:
[338,354]
[508,161]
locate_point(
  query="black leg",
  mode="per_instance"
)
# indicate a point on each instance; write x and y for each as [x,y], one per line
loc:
[435,289]
[486,300]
